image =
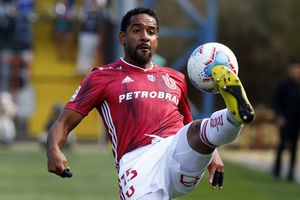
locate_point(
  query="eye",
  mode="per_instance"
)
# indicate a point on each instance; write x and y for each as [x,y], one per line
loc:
[152,32]
[135,29]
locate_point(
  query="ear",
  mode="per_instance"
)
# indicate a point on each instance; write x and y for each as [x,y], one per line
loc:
[122,38]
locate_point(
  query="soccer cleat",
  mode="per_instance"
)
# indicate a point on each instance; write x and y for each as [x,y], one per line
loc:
[233,93]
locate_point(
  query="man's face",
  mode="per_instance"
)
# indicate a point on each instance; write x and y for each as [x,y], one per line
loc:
[140,39]
[295,72]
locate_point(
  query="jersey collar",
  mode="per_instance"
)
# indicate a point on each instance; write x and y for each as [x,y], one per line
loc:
[137,67]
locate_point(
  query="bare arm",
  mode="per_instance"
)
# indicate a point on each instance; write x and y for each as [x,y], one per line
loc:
[57,137]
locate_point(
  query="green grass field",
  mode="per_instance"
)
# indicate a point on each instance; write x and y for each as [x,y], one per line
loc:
[23,176]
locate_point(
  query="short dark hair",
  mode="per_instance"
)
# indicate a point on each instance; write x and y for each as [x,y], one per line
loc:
[127,17]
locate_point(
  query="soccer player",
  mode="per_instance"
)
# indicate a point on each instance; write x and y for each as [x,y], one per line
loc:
[160,152]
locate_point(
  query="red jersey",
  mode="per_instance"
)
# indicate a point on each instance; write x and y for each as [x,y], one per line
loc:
[134,102]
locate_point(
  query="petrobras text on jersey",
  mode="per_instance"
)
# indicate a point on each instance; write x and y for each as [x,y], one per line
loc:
[148,94]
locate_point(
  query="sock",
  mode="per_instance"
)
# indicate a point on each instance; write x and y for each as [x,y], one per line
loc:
[221,128]
[232,119]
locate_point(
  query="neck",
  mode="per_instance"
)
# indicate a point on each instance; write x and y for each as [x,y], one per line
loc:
[147,65]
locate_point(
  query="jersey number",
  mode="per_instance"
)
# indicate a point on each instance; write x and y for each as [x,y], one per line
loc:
[126,178]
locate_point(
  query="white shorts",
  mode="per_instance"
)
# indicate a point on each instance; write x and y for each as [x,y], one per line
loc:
[153,168]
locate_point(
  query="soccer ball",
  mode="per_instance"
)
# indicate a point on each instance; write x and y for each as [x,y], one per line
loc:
[203,59]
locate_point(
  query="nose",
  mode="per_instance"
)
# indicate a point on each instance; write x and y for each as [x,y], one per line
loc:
[145,36]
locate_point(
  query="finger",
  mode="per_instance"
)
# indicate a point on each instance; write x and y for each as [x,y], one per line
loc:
[221,178]
[215,181]
[66,173]
[211,174]
[220,168]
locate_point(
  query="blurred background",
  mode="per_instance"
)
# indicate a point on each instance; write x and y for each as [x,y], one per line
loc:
[48,46]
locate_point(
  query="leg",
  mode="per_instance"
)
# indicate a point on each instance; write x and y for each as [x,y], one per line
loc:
[293,154]
[197,141]
[224,126]
[205,135]
[193,158]
[281,146]
[201,139]
[193,154]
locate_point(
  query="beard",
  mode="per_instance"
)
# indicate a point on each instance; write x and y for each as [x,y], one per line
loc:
[138,57]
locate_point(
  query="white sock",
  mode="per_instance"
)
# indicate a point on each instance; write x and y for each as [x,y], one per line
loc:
[221,128]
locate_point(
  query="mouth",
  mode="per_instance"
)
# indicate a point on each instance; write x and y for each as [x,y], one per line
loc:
[144,47]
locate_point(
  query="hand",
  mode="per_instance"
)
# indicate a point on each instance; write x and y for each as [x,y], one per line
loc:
[57,163]
[216,169]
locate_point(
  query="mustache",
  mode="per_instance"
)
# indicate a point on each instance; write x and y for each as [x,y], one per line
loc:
[143,46]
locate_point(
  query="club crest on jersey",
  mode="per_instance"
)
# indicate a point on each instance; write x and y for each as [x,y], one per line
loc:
[169,82]
[151,78]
